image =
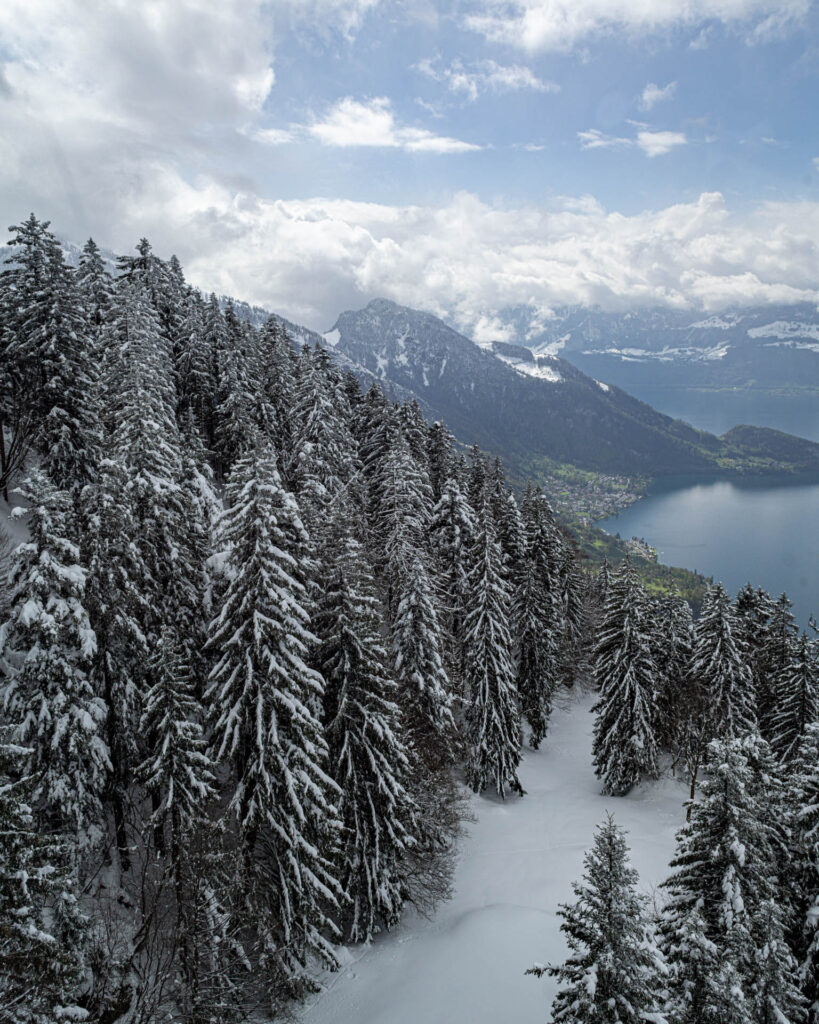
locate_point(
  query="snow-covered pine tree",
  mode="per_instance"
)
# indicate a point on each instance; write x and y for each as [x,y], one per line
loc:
[451,533]
[536,617]
[797,690]
[719,667]
[401,516]
[672,637]
[725,866]
[323,457]
[262,698]
[775,997]
[803,805]
[177,771]
[276,373]
[476,478]
[440,457]
[615,972]
[493,730]
[41,957]
[703,987]
[96,288]
[46,648]
[423,685]
[776,644]
[625,746]
[368,760]
[236,414]
[177,776]
[753,609]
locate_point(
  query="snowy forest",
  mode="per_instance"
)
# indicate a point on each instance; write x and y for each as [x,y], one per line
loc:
[261,631]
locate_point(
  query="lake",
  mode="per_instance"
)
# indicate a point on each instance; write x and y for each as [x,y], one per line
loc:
[718,411]
[756,530]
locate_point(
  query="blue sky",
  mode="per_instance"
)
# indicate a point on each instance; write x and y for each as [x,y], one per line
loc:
[461,156]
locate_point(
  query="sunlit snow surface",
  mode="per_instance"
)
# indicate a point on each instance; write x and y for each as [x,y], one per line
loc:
[517,863]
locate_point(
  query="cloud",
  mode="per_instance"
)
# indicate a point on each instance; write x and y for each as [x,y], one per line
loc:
[593,138]
[352,122]
[310,259]
[486,76]
[816,163]
[659,143]
[562,25]
[654,94]
[652,143]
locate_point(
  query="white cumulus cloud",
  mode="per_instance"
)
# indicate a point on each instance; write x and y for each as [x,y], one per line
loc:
[659,143]
[654,94]
[352,122]
[309,259]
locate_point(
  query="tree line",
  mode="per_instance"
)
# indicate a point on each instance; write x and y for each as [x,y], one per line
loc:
[260,623]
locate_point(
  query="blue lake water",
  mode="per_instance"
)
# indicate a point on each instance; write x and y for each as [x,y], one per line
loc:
[755,530]
[718,411]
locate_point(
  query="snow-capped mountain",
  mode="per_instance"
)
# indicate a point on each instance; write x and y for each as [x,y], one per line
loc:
[767,346]
[527,407]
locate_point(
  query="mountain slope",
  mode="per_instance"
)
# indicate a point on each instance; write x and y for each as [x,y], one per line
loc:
[526,409]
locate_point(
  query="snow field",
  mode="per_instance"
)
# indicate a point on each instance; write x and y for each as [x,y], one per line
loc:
[517,864]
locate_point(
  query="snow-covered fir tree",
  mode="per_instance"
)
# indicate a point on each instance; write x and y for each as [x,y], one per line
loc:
[720,669]
[625,746]
[42,930]
[451,533]
[615,972]
[803,803]
[493,729]
[264,699]
[725,870]
[367,759]
[46,649]
[536,618]
[797,691]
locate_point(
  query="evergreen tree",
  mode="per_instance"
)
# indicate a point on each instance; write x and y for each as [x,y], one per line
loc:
[440,458]
[367,757]
[624,748]
[96,288]
[672,635]
[451,534]
[423,684]
[777,646]
[704,986]
[614,974]
[797,689]
[535,616]
[719,667]
[177,771]
[725,866]
[262,697]
[41,928]
[803,802]
[493,731]
[323,457]
[47,646]
[775,994]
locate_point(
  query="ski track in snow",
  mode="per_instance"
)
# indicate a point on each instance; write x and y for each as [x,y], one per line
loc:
[517,864]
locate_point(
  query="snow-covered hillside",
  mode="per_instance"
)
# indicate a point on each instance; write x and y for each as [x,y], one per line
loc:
[517,864]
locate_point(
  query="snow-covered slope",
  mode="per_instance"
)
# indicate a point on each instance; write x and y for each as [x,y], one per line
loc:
[466,965]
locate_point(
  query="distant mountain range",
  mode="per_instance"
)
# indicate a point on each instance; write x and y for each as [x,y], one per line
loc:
[768,347]
[560,394]
[528,408]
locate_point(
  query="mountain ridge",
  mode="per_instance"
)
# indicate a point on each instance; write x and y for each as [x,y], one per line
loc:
[543,407]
